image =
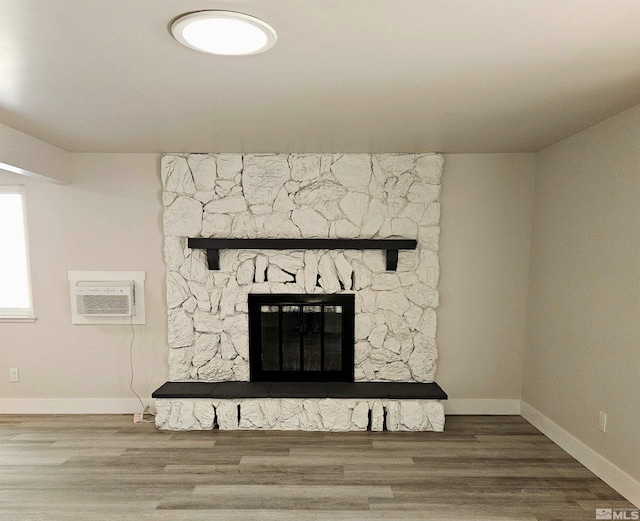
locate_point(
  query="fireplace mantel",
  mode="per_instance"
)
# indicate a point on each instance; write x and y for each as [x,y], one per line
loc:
[213,246]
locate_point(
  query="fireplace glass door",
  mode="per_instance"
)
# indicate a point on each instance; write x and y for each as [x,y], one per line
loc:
[301,337]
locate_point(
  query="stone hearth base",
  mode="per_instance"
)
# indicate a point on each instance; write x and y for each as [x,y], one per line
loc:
[327,414]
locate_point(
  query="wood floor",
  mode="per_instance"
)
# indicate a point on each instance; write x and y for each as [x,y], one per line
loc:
[108,468]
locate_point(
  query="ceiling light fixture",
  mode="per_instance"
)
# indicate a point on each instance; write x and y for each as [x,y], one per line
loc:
[223,32]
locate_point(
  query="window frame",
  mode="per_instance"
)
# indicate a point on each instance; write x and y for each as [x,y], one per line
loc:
[20,314]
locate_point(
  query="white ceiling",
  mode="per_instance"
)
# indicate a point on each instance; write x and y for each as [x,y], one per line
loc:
[344,76]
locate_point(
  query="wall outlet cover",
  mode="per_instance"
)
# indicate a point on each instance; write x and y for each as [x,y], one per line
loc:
[602,423]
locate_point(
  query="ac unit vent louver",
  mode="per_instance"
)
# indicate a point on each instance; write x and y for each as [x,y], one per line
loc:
[105,299]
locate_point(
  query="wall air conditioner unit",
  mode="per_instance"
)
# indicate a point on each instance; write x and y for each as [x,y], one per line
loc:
[104,298]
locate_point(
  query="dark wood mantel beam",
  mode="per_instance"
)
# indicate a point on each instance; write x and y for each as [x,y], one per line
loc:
[213,246]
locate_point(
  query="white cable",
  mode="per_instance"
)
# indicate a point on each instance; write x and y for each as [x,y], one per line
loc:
[145,408]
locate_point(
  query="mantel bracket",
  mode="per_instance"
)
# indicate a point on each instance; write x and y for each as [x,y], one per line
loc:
[213,246]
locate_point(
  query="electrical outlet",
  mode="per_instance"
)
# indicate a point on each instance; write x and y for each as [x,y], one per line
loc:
[602,424]
[14,375]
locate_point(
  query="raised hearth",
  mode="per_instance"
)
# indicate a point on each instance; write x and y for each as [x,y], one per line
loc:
[314,406]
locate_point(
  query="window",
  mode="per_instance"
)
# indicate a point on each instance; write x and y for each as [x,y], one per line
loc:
[15,283]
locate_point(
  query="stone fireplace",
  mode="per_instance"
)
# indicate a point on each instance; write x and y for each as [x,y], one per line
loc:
[340,196]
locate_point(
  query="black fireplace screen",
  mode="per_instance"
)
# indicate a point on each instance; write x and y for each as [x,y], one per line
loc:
[301,337]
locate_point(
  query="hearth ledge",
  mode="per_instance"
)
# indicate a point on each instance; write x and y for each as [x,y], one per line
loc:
[324,414]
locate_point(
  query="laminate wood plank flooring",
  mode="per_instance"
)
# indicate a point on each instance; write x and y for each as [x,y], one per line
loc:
[102,468]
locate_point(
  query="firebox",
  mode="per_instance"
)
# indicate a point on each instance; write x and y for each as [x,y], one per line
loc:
[295,337]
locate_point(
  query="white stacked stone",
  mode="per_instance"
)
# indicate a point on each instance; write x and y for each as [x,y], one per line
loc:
[415,415]
[331,415]
[308,196]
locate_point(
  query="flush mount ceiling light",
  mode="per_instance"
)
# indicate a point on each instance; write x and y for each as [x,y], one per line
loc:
[223,32]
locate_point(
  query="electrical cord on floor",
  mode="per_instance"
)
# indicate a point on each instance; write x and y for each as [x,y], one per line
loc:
[145,408]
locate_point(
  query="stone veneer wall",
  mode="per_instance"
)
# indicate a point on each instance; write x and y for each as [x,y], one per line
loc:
[308,196]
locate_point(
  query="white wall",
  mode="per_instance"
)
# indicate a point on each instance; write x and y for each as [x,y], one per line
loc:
[108,219]
[582,352]
[484,257]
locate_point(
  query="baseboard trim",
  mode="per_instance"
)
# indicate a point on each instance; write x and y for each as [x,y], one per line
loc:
[615,477]
[71,405]
[481,406]
[131,405]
